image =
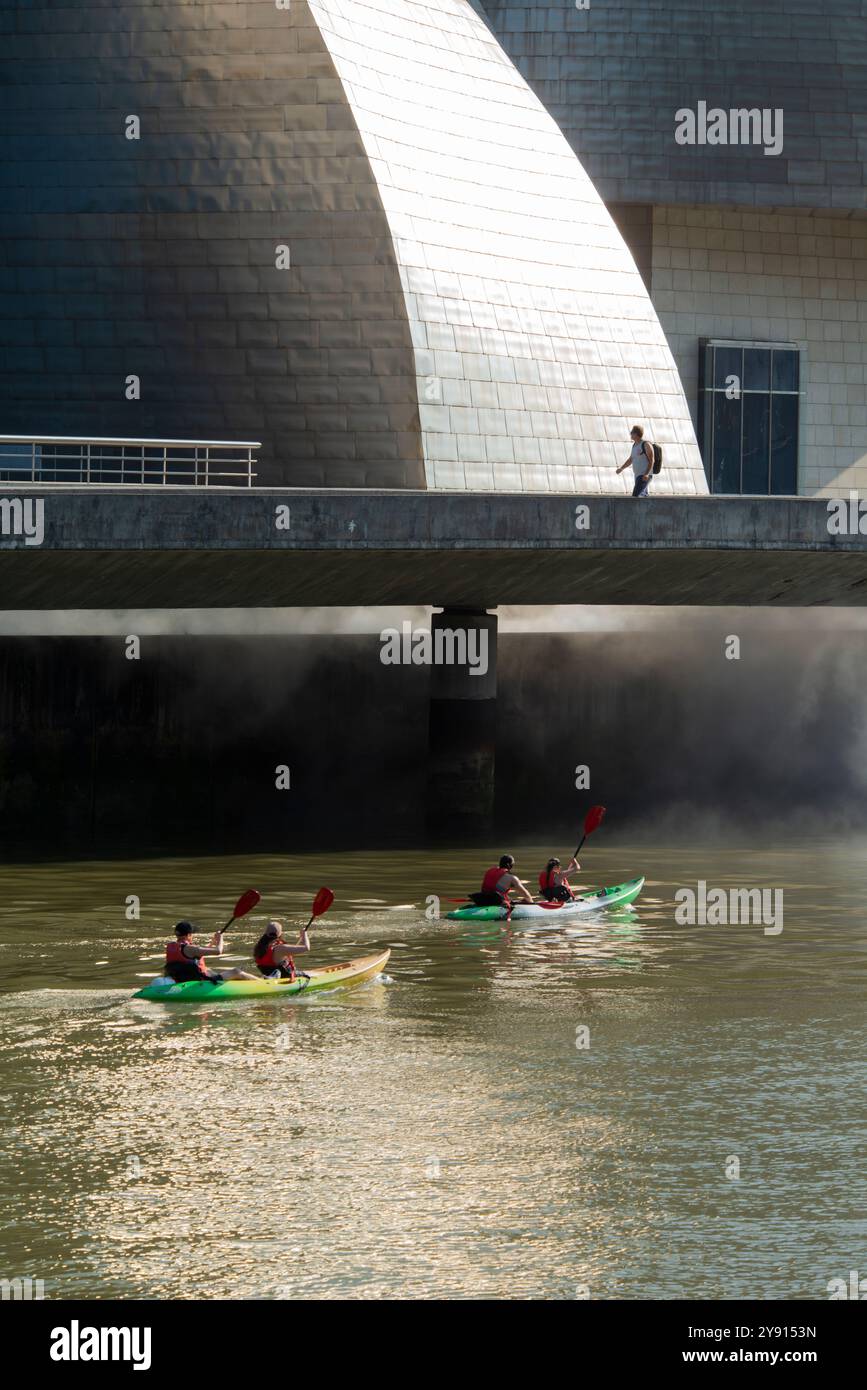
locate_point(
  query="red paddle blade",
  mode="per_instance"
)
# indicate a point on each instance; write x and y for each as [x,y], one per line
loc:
[321,903]
[246,903]
[593,819]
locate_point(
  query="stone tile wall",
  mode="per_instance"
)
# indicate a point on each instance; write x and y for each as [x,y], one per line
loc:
[788,277]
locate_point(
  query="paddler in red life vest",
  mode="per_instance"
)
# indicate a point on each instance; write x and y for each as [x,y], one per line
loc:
[498,883]
[273,955]
[554,884]
[185,961]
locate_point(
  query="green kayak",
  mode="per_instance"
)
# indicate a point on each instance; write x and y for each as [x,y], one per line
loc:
[351,972]
[595,900]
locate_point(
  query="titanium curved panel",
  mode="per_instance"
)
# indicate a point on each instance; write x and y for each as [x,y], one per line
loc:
[156,257]
[459,311]
[536,343]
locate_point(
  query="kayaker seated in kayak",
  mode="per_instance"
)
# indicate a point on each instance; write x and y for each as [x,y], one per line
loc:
[553,882]
[274,957]
[185,961]
[498,883]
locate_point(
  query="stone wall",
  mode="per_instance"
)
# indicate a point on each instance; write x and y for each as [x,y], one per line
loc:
[788,277]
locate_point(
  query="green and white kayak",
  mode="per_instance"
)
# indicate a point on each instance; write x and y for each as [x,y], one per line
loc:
[351,972]
[597,900]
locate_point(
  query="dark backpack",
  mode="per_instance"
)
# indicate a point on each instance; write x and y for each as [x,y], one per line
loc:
[657,458]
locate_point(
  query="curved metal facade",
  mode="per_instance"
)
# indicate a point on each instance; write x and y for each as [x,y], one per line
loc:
[458,310]
[157,257]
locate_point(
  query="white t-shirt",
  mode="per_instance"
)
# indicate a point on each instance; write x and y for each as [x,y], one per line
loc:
[640,462]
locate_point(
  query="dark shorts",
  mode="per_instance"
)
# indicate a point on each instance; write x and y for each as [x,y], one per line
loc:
[488,899]
[557,895]
[640,489]
[189,974]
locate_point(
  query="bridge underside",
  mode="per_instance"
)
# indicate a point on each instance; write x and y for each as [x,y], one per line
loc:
[149,548]
[466,578]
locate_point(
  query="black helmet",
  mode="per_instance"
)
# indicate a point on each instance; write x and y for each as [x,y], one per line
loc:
[184,928]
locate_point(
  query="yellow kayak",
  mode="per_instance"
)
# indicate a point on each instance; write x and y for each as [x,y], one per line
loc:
[350,972]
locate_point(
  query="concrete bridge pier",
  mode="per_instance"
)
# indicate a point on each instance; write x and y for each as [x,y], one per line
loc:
[462,727]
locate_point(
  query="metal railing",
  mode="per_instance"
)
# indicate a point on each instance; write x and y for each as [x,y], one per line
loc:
[161,462]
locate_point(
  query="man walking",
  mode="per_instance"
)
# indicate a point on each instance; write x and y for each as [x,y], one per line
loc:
[641,459]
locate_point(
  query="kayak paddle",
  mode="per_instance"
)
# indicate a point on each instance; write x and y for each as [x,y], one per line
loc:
[245,904]
[592,821]
[321,903]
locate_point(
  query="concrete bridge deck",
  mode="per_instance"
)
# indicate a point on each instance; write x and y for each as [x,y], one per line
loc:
[155,547]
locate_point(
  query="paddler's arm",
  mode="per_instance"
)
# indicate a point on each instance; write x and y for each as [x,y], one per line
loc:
[214,949]
[521,888]
[281,952]
[572,867]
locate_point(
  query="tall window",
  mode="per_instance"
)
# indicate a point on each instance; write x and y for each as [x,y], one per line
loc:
[748,416]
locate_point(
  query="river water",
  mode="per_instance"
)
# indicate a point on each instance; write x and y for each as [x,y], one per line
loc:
[443,1132]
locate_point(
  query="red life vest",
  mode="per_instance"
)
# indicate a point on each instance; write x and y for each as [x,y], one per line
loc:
[175,956]
[547,884]
[491,879]
[267,963]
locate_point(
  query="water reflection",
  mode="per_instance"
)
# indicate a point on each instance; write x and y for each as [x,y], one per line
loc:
[441,1135]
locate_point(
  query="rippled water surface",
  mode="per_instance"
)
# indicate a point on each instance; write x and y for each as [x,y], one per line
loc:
[438,1133]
